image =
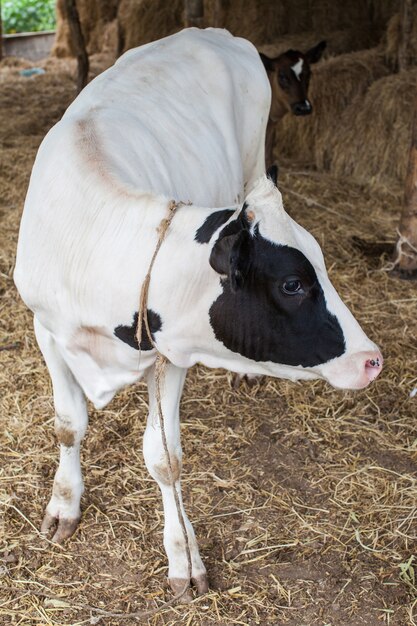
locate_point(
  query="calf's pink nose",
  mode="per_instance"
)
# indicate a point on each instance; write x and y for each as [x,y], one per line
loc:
[373,366]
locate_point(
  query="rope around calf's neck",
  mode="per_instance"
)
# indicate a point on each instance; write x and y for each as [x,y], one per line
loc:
[143,300]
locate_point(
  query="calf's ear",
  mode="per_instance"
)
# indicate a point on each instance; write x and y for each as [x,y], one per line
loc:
[268,63]
[232,256]
[240,260]
[314,54]
[220,254]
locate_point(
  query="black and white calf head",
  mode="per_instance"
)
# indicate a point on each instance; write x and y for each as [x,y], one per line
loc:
[278,307]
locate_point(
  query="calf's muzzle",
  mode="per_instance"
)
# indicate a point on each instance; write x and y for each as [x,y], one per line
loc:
[355,370]
[302,108]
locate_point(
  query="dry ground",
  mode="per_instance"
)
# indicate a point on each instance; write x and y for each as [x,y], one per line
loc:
[303,497]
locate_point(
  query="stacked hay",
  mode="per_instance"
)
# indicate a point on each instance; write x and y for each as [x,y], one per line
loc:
[373,141]
[338,41]
[260,21]
[98,25]
[142,21]
[118,26]
[392,39]
[62,45]
[265,22]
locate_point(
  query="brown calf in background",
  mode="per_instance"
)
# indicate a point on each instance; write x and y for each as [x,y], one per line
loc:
[289,75]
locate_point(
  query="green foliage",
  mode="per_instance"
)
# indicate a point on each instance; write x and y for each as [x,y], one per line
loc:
[28,15]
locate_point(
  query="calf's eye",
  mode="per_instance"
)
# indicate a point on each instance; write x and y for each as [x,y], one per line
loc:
[283,80]
[292,287]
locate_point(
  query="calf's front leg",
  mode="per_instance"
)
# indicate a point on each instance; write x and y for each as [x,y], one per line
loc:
[63,511]
[171,386]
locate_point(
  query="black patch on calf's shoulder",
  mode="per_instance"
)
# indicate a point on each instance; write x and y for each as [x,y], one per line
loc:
[127,334]
[262,323]
[211,224]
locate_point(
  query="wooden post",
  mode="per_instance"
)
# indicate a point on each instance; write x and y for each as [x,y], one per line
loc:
[405,261]
[194,13]
[78,43]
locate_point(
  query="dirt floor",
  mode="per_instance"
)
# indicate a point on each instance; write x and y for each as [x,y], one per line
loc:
[303,497]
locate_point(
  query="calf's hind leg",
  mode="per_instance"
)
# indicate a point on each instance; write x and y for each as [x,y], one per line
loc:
[63,511]
[171,385]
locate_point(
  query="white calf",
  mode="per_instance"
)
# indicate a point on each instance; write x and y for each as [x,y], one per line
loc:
[241,287]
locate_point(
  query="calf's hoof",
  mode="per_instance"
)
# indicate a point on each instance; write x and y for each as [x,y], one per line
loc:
[200,583]
[64,528]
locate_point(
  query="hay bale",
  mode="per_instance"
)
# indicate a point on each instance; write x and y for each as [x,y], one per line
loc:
[265,22]
[113,26]
[338,42]
[142,21]
[62,45]
[374,137]
[260,21]
[335,84]
[96,21]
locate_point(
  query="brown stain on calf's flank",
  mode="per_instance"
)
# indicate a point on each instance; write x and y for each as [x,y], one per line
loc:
[97,160]
[162,473]
[65,436]
[93,340]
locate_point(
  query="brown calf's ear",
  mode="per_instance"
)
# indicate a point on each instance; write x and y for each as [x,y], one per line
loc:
[268,63]
[314,54]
